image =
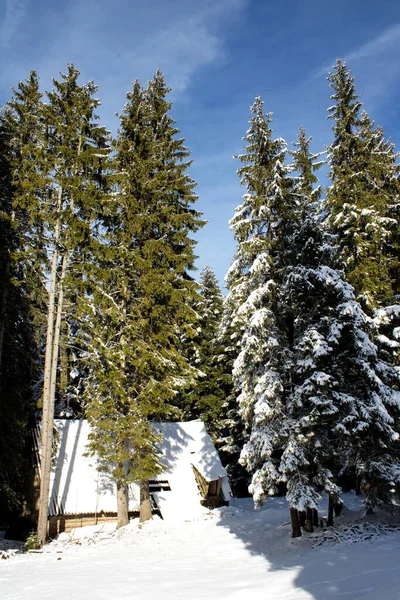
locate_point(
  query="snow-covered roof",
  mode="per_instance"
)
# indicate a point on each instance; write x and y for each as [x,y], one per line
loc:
[78,487]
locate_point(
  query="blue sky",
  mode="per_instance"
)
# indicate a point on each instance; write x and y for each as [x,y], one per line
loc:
[217,55]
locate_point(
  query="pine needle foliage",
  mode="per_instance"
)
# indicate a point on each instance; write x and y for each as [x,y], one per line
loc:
[21,287]
[143,292]
[205,399]
[361,202]
[312,389]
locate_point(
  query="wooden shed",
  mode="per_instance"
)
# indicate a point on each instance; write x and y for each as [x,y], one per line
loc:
[81,494]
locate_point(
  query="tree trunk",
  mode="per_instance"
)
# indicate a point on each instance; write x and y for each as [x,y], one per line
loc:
[309,521]
[122,504]
[122,490]
[47,416]
[302,518]
[330,512]
[53,374]
[338,507]
[315,517]
[294,517]
[56,338]
[145,504]
[3,306]
[4,294]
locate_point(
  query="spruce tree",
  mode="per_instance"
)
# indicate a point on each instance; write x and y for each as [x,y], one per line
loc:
[76,147]
[7,239]
[261,225]
[313,391]
[145,294]
[206,398]
[348,394]
[26,256]
[229,427]
[17,344]
[21,285]
[212,398]
[361,201]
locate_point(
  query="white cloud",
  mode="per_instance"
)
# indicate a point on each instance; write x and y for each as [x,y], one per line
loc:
[181,45]
[382,45]
[375,66]
[13,14]
[115,42]
[178,50]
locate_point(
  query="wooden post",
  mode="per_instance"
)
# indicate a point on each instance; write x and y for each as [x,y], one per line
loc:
[294,517]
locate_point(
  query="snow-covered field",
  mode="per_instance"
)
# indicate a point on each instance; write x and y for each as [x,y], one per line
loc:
[230,553]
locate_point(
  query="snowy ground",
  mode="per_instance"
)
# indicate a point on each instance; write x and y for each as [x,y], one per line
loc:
[232,553]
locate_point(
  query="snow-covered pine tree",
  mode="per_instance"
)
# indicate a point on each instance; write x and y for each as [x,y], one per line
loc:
[229,427]
[382,182]
[276,451]
[344,404]
[143,294]
[382,178]
[212,398]
[361,200]
[387,323]
[205,399]
[313,389]
[76,147]
[262,368]
[362,205]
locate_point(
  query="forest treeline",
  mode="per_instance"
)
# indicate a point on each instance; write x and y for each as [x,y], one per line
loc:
[295,372]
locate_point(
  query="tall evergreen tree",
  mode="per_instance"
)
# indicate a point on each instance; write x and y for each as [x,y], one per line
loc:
[212,398]
[7,239]
[261,225]
[342,386]
[206,398]
[361,201]
[21,286]
[76,147]
[25,259]
[146,293]
[229,427]
[312,387]
[15,342]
